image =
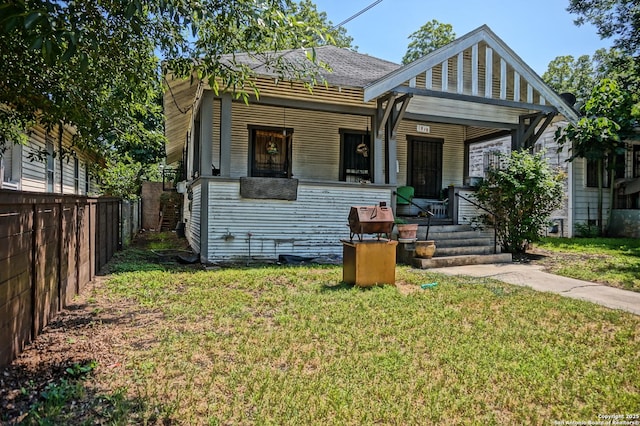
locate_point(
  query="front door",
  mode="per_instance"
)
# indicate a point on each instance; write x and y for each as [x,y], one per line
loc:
[425,166]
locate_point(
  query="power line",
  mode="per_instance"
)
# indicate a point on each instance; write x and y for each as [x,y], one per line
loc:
[354,16]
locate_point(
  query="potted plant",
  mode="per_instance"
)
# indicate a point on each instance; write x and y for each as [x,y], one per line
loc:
[406,231]
[425,249]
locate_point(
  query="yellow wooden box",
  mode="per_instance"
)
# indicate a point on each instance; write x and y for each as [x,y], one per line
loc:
[369,262]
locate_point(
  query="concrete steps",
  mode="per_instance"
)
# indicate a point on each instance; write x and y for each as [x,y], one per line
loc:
[442,262]
[456,245]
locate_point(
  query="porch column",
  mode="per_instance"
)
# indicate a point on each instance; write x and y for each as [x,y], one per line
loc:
[204,220]
[225,135]
[206,144]
[391,154]
[378,152]
[206,132]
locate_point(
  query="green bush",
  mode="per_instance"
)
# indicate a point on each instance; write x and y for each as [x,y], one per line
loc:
[587,230]
[521,193]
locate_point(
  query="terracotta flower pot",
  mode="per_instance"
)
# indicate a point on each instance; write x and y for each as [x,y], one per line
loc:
[407,231]
[425,249]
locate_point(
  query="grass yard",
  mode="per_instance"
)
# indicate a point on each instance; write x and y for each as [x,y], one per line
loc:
[612,261]
[292,345]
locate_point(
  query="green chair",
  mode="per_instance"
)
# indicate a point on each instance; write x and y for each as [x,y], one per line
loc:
[405,195]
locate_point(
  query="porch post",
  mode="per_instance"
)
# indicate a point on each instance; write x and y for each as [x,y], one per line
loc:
[204,220]
[206,132]
[378,146]
[391,154]
[206,148]
[225,135]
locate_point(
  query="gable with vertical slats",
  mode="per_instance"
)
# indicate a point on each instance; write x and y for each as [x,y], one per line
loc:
[479,68]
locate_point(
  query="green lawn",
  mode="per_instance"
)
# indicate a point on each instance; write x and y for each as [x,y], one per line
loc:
[292,345]
[612,261]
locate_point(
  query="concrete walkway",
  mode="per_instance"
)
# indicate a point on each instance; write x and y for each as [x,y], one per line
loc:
[533,276]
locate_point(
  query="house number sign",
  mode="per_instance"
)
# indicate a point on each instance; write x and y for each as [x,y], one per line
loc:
[423,128]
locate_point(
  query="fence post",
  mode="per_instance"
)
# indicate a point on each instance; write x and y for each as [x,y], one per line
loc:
[61,238]
[34,271]
[92,238]
[77,253]
[118,244]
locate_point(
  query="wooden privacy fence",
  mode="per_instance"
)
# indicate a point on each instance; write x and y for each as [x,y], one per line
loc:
[50,247]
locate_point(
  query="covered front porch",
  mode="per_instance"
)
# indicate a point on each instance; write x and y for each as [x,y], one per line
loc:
[344,146]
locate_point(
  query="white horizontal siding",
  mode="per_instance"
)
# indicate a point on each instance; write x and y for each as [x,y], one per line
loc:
[467,212]
[215,143]
[586,199]
[192,227]
[84,170]
[34,172]
[68,176]
[313,225]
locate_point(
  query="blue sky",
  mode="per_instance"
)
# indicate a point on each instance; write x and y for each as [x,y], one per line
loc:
[538,31]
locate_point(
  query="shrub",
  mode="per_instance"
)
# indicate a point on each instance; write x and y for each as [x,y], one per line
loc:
[521,193]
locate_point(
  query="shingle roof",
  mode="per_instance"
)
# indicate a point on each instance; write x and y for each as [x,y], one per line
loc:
[348,68]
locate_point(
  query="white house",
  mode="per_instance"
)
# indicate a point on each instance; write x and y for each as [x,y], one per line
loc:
[278,175]
[37,166]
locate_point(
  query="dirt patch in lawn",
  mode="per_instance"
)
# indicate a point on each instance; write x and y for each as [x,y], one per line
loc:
[551,261]
[92,331]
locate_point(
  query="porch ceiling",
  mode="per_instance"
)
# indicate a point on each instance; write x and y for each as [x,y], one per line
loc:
[476,77]
[180,99]
[460,111]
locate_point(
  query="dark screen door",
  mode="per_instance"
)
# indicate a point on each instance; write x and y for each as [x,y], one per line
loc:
[425,167]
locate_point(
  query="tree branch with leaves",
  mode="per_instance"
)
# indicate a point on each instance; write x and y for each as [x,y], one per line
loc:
[94,65]
[608,121]
[430,37]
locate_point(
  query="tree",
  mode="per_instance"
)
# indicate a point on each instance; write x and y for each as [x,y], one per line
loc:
[431,36]
[565,74]
[521,194]
[620,66]
[619,19]
[609,119]
[123,177]
[306,11]
[77,63]
[93,65]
